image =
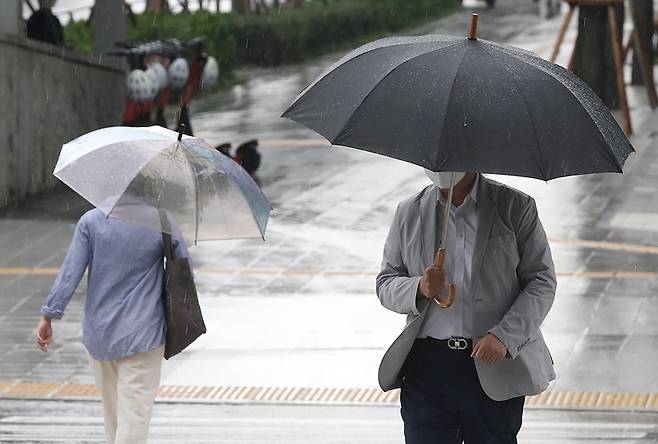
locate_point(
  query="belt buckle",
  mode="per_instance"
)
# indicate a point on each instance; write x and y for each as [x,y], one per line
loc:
[457,344]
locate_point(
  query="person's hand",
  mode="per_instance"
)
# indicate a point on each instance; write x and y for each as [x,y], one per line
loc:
[489,350]
[44,334]
[433,282]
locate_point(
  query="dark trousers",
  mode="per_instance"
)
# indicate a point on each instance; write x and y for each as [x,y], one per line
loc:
[443,401]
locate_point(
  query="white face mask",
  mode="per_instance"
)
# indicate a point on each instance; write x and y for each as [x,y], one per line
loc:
[442,178]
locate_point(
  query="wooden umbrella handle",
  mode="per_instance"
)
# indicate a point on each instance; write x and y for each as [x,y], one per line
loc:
[439,260]
[473,33]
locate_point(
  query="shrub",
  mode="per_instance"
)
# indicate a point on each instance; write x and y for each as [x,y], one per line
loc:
[279,36]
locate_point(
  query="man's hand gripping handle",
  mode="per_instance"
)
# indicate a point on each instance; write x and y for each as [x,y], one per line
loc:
[439,259]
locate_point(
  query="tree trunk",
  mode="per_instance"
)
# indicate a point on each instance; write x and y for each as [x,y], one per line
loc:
[185,4]
[217,5]
[242,7]
[129,13]
[157,6]
[594,57]
[297,3]
[642,11]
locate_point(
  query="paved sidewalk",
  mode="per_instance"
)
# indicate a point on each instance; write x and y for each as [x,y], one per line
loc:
[299,311]
[81,423]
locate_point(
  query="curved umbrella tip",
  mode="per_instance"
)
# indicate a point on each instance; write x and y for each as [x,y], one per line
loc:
[473,35]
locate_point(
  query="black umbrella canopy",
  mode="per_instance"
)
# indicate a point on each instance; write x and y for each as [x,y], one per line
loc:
[463,104]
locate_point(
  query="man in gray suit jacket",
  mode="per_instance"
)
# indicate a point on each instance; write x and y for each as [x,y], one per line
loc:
[464,371]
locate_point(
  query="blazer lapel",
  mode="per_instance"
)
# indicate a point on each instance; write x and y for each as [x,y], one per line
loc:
[486,209]
[429,225]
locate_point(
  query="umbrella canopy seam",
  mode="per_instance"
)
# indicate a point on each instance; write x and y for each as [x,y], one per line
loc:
[450,91]
[507,68]
[199,158]
[196,198]
[345,126]
[248,203]
[586,109]
[350,57]
[109,147]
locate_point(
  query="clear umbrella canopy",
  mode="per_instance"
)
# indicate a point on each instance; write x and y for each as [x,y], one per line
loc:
[135,173]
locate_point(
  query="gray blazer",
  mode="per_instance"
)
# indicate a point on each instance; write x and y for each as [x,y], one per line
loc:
[513,289]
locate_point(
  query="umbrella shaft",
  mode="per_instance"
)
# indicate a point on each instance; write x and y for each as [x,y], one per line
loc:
[446,218]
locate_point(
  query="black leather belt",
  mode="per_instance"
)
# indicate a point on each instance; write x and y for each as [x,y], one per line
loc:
[455,343]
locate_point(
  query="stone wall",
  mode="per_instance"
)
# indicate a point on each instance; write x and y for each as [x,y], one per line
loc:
[48,96]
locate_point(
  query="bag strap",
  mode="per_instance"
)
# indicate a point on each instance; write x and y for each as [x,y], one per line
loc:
[166,237]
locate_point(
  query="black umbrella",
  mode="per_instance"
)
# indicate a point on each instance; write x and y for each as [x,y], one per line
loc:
[463,104]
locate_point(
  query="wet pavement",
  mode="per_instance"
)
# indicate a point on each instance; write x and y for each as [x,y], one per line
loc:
[300,311]
[49,422]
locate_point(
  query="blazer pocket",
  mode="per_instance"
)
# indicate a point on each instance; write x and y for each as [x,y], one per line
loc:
[497,232]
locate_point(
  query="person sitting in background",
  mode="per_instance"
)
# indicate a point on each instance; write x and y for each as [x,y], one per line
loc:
[247,155]
[43,25]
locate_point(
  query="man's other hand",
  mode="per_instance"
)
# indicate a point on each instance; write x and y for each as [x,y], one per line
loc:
[489,350]
[44,333]
[433,282]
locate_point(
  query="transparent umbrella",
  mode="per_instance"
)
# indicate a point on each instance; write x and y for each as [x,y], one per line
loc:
[130,172]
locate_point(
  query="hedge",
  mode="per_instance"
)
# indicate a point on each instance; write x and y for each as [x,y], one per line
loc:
[280,36]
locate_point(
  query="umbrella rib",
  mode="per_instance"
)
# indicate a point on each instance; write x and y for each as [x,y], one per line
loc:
[192,149]
[336,140]
[247,201]
[452,86]
[528,110]
[196,196]
[59,168]
[58,173]
[587,111]
[253,217]
[241,193]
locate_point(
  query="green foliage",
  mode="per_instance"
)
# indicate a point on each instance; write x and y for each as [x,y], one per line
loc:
[399,13]
[219,29]
[285,35]
[79,36]
[291,35]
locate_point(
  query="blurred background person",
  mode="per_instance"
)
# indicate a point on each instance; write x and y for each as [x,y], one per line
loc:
[43,25]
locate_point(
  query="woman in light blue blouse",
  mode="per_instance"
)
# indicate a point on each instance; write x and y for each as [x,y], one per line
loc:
[124,326]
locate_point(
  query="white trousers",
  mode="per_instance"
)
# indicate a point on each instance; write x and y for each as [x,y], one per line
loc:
[128,387]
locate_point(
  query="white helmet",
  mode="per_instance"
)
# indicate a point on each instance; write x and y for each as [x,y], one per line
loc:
[161,72]
[154,86]
[139,86]
[178,73]
[210,73]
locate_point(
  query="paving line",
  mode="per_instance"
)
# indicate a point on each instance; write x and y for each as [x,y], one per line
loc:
[595,245]
[622,401]
[609,274]
[603,245]
[16,271]
[336,274]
